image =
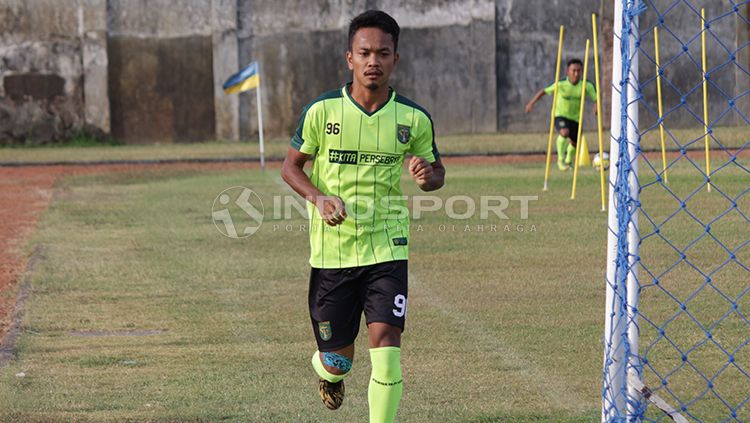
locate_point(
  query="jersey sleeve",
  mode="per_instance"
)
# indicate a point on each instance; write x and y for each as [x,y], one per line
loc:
[306,137]
[551,89]
[423,144]
[591,90]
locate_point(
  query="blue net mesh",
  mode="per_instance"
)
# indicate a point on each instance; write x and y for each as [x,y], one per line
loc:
[679,317]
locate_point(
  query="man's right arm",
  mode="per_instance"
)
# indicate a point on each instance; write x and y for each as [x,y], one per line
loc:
[331,208]
[536,98]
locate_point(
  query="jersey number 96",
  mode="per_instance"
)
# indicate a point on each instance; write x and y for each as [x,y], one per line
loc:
[332,128]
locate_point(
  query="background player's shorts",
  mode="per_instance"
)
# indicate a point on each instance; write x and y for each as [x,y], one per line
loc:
[561,122]
[338,296]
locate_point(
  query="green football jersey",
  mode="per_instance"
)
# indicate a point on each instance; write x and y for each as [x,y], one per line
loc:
[359,156]
[569,98]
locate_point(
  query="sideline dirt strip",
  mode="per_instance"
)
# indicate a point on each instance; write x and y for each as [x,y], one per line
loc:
[24,194]
[8,344]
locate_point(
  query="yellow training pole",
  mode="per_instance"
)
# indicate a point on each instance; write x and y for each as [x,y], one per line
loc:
[658,96]
[598,113]
[705,95]
[554,104]
[580,117]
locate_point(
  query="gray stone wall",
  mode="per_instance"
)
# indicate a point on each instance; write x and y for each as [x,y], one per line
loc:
[682,68]
[161,74]
[225,62]
[151,71]
[54,70]
[446,65]
[527,40]
[527,47]
[742,72]
[92,15]
[40,96]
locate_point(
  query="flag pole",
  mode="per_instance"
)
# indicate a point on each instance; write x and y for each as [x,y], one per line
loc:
[260,123]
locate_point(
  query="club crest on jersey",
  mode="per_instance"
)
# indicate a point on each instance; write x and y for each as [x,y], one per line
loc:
[324,329]
[403,133]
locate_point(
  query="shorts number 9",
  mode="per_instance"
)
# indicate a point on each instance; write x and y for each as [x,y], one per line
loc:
[400,302]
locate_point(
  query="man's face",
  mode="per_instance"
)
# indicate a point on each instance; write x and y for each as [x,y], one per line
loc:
[574,73]
[372,58]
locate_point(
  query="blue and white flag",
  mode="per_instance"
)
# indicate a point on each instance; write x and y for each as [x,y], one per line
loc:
[244,80]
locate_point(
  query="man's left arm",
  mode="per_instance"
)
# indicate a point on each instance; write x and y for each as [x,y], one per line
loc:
[429,176]
[591,90]
[425,165]
[591,93]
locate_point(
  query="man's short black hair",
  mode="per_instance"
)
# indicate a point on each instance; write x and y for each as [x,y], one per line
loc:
[375,19]
[574,62]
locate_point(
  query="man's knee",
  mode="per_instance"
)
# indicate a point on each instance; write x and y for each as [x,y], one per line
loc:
[336,363]
[384,335]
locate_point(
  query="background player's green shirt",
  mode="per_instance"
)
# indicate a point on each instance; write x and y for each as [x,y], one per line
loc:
[359,157]
[569,98]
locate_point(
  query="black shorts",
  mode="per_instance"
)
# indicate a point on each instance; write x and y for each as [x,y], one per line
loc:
[561,122]
[338,296]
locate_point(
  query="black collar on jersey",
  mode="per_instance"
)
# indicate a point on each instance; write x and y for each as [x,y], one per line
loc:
[359,106]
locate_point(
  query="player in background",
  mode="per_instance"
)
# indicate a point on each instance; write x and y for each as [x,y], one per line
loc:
[566,110]
[358,137]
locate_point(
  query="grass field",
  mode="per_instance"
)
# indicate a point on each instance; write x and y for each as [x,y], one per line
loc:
[142,311]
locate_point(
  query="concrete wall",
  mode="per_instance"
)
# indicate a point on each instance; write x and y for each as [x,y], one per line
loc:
[161,79]
[152,71]
[40,93]
[741,72]
[682,73]
[446,65]
[527,39]
[225,62]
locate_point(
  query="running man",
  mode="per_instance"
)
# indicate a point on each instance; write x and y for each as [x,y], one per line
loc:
[566,111]
[358,137]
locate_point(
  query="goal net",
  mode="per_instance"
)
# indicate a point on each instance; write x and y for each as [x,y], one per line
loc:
[677,319]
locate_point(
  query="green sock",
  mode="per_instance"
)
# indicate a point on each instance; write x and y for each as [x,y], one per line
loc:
[561,143]
[386,384]
[571,153]
[322,372]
